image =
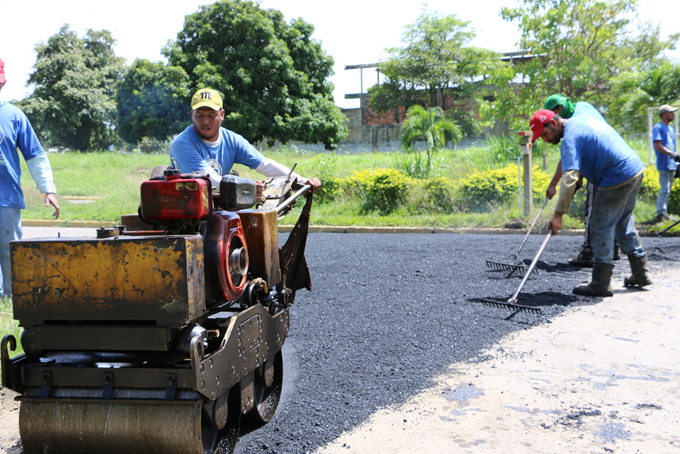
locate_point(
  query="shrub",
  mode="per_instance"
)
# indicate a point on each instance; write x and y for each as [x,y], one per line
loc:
[649,190]
[381,189]
[435,196]
[491,187]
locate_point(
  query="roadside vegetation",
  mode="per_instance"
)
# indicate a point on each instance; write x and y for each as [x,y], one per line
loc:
[464,188]
[8,325]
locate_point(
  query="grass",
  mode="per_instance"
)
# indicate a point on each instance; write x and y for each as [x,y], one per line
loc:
[112,181]
[8,325]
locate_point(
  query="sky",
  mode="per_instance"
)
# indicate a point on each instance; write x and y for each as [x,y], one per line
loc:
[351,31]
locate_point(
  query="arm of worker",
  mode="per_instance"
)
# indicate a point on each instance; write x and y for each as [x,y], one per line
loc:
[661,149]
[41,171]
[568,186]
[271,168]
[552,187]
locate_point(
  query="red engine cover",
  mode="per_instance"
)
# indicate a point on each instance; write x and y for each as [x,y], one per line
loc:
[224,237]
[176,199]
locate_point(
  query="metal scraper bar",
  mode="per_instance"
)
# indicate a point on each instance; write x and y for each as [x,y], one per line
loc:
[516,307]
[521,269]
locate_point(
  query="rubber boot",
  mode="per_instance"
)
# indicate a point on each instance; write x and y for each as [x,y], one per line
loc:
[600,284]
[584,258]
[617,252]
[640,277]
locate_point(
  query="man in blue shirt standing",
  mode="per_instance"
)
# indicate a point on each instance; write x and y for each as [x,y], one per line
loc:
[594,150]
[205,141]
[16,132]
[566,109]
[663,136]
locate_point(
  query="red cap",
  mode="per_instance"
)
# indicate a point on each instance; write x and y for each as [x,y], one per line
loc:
[537,121]
[2,71]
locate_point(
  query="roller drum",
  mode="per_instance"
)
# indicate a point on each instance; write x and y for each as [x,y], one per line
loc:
[114,427]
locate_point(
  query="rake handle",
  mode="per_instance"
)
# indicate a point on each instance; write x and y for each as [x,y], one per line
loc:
[526,237]
[667,228]
[531,267]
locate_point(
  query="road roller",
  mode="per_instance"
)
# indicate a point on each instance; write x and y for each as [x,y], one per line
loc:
[163,334]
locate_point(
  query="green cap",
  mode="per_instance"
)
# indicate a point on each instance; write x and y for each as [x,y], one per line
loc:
[559,100]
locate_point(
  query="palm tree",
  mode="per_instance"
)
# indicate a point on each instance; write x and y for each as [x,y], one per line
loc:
[430,124]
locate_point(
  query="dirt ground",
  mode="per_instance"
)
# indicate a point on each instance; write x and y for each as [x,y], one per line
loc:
[601,378]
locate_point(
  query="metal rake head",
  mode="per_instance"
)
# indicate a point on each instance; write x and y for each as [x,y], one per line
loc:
[519,268]
[512,306]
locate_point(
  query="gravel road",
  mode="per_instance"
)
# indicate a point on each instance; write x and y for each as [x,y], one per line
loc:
[390,312]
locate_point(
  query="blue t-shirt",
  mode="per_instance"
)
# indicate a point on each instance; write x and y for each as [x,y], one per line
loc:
[598,152]
[15,132]
[585,108]
[192,153]
[665,134]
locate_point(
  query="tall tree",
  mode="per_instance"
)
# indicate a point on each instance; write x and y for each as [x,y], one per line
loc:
[272,75]
[73,102]
[152,101]
[580,47]
[436,67]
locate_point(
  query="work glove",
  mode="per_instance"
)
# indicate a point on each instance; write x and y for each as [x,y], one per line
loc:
[675,156]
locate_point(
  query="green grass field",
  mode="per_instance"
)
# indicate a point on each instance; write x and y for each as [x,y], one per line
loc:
[102,186]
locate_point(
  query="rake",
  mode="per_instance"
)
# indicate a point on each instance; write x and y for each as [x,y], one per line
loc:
[516,267]
[667,229]
[511,303]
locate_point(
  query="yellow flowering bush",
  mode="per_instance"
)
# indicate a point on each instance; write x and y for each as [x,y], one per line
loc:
[650,189]
[498,185]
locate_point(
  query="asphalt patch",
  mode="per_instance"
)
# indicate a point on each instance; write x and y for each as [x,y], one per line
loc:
[389,313]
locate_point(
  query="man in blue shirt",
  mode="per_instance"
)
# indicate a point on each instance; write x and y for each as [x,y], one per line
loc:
[663,136]
[16,132]
[566,109]
[205,143]
[594,150]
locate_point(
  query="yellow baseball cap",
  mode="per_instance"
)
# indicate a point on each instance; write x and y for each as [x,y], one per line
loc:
[206,97]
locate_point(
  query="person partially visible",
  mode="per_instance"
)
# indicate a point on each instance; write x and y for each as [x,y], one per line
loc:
[206,141]
[667,158]
[16,132]
[594,150]
[565,108]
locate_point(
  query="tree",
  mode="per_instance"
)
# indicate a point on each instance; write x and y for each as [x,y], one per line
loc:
[429,124]
[580,47]
[152,101]
[73,102]
[635,92]
[436,67]
[272,75]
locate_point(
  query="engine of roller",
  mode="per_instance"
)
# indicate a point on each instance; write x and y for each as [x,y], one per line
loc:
[161,334]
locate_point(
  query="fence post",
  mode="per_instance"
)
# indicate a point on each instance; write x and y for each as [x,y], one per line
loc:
[519,186]
[526,157]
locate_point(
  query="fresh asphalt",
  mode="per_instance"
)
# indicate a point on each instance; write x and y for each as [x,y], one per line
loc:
[390,312]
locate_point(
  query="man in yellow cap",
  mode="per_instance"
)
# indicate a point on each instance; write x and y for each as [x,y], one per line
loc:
[206,141]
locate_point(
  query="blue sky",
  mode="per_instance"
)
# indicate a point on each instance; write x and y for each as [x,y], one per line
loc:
[352,31]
